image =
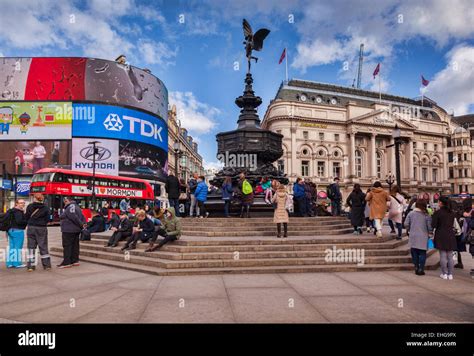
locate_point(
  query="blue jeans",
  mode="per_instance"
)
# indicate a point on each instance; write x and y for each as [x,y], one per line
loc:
[226,207]
[399,227]
[15,246]
[174,203]
[419,258]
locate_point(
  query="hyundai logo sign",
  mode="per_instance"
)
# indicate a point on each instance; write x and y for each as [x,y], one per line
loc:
[102,153]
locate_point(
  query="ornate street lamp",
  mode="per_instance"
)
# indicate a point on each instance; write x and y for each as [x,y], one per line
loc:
[177,154]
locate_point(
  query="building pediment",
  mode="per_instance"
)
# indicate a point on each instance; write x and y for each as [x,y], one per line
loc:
[383,118]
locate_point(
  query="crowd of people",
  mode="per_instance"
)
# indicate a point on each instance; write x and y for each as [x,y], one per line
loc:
[448,228]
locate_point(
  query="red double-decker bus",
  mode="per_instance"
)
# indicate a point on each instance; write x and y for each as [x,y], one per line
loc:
[55,183]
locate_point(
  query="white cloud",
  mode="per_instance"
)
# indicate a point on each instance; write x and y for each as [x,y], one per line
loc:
[197,117]
[156,52]
[331,32]
[453,87]
[214,165]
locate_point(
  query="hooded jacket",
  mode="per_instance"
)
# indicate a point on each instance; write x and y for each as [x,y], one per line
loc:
[18,219]
[72,219]
[377,199]
[201,191]
[172,225]
[41,217]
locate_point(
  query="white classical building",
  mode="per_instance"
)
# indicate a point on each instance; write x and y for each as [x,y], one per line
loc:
[333,131]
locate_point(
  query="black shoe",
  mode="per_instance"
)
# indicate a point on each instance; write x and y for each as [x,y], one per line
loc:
[421,272]
[459,265]
[124,248]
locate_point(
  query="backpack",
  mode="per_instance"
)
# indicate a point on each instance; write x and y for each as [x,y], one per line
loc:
[246,187]
[6,220]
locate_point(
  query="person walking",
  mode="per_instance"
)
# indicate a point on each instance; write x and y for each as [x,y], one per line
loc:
[143,232]
[418,225]
[395,212]
[172,188]
[72,222]
[192,185]
[227,192]
[171,231]
[444,224]
[201,196]
[369,224]
[245,190]
[356,201]
[37,216]
[299,196]
[377,199]
[16,235]
[280,216]
[122,231]
[335,196]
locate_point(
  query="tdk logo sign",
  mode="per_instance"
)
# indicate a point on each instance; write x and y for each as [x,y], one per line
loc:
[113,123]
[135,125]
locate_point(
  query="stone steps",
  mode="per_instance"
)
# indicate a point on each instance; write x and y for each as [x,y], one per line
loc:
[269,246]
[156,261]
[212,233]
[230,255]
[431,264]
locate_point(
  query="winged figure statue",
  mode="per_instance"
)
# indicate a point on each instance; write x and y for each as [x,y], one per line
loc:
[253,42]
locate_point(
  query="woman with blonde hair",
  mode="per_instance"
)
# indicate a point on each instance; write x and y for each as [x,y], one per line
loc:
[280,215]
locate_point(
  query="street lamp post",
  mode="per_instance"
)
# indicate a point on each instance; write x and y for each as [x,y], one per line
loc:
[94,152]
[390,180]
[397,141]
[177,154]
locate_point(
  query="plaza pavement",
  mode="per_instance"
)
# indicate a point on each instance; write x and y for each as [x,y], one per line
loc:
[99,294]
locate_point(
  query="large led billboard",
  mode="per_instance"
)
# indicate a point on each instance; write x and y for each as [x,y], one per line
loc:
[77,78]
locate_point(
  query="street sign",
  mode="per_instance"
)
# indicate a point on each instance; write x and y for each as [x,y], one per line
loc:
[6,184]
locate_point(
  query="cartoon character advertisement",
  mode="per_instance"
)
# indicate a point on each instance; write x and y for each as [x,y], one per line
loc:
[35,120]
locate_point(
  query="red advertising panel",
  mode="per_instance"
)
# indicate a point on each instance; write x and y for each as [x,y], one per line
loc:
[56,79]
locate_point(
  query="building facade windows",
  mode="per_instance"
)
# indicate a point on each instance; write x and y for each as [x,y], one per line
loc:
[378,162]
[435,175]
[358,164]
[305,168]
[281,165]
[424,174]
[321,169]
[336,169]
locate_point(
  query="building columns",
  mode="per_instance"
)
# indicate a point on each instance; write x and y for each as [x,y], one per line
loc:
[409,159]
[294,161]
[352,155]
[373,157]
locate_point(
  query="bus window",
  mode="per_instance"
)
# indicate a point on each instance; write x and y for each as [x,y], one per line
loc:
[42,177]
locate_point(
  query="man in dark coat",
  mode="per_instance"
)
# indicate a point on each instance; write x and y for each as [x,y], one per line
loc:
[172,188]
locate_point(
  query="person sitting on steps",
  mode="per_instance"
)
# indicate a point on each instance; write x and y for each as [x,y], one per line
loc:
[122,231]
[171,231]
[144,231]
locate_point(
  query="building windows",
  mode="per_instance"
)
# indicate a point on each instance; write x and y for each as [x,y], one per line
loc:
[414,144]
[378,162]
[435,147]
[336,169]
[435,175]
[460,189]
[305,168]
[336,137]
[359,141]
[451,173]
[305,135]
[281,165]
[321,169]
[379,142]
[321,136]
[459,173]
[465,156]
[450,156]
[459,157]
[425,146]
[424,174]
[358,164]
[465,173]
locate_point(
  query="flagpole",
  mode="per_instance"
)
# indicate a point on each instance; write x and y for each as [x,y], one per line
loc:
[380,90]
[286,64]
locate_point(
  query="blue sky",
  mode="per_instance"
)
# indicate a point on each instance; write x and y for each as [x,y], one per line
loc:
[193,47]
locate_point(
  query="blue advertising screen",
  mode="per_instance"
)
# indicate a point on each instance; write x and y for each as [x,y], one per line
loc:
[114,122]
